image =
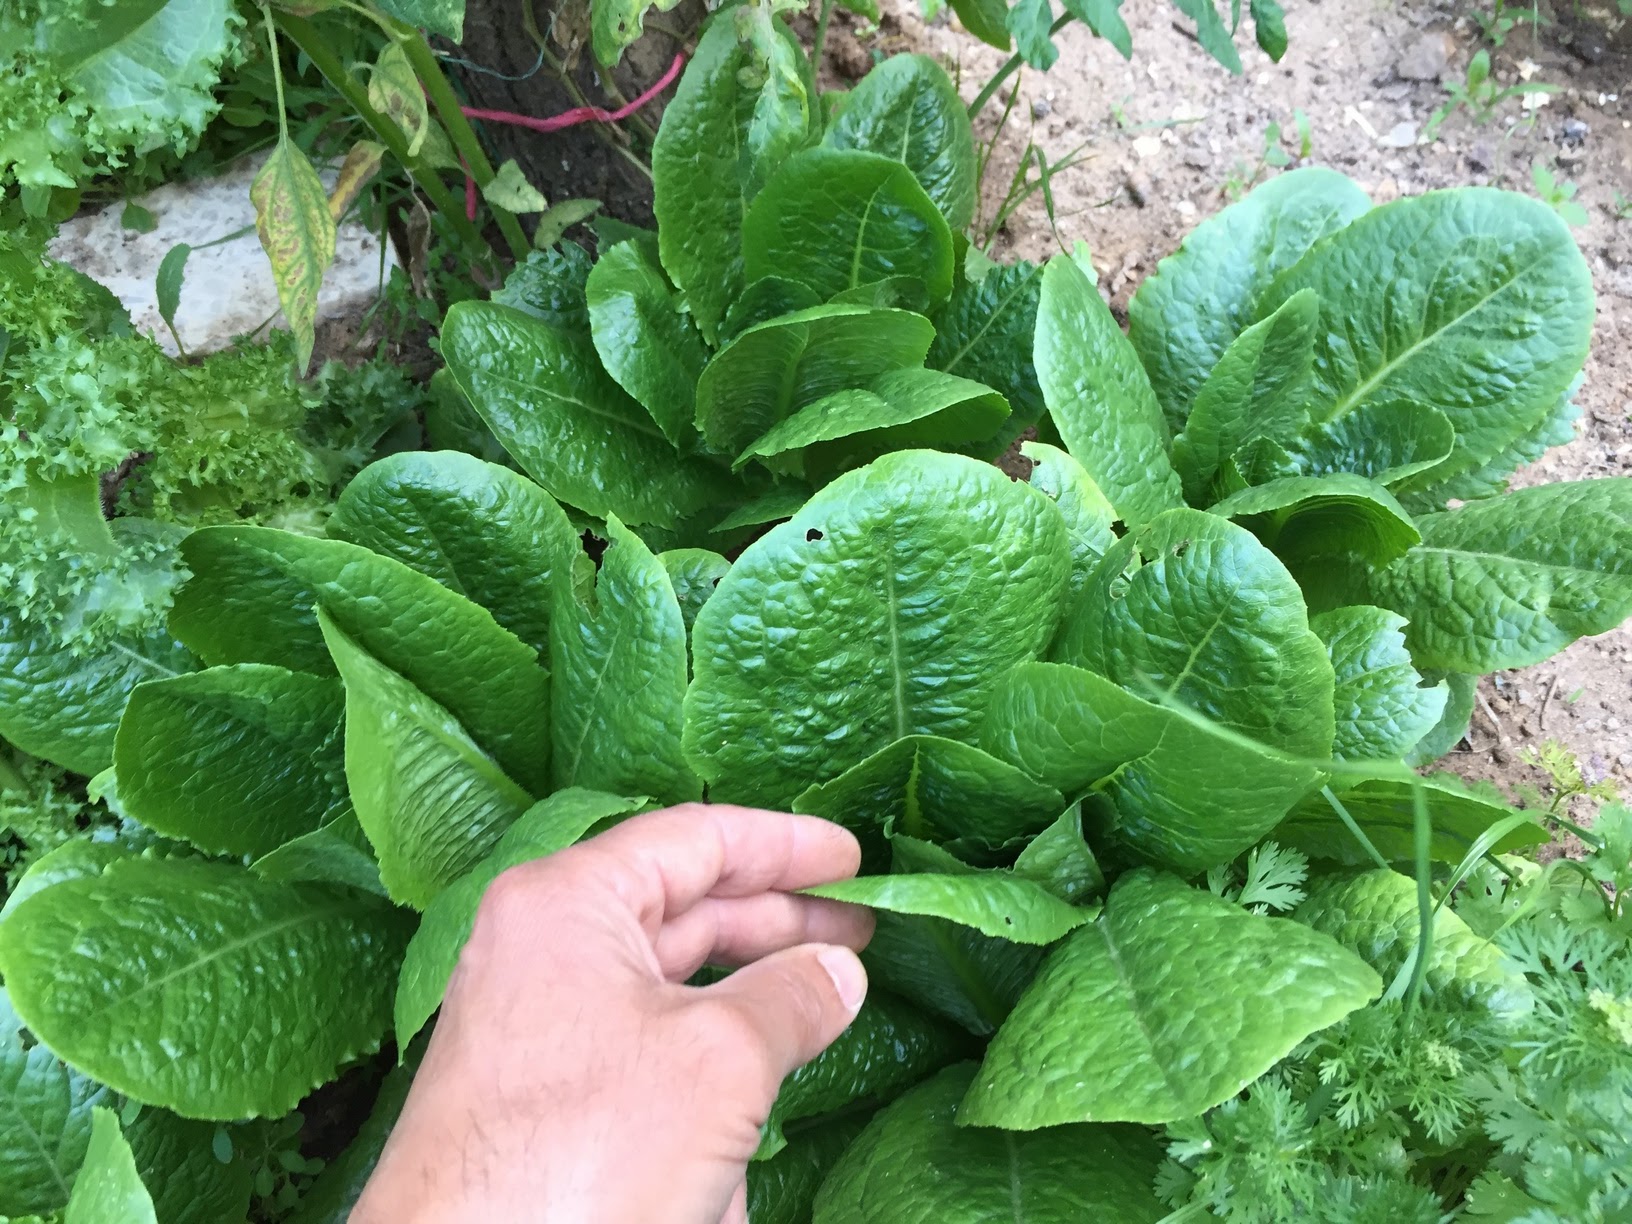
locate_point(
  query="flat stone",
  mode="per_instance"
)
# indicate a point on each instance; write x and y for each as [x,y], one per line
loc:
[1400,136]
[1425,59]
[228,289]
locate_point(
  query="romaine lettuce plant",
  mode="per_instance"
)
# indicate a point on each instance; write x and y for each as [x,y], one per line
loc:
[1122,742]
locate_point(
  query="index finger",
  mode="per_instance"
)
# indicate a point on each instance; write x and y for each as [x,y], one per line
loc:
[663,863]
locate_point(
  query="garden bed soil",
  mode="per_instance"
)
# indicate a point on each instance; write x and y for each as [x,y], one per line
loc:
[1169,137]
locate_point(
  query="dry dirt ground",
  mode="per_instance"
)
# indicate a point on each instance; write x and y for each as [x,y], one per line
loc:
[1169,137]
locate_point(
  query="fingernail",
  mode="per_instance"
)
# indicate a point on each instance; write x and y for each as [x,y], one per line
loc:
[849,978]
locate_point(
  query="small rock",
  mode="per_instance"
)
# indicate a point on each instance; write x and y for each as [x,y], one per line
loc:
[1386,190]
[1185,208]
[1501,755]
[1198,159]
[1398,91]
[1425,59]
[1400,136]
[1624,760]
[1481,156]
[1575,131]
[1139,189]
[1526,696]
[1593,724]
[1612,724]
[1041,108]
[1147,147]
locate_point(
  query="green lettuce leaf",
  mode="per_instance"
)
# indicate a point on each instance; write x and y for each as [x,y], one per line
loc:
[1383,707]
[999,906]
[985,331]
[1384,808]
[108,1187]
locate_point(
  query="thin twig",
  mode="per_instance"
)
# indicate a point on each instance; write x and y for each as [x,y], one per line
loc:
[1484,705]
[1541,714]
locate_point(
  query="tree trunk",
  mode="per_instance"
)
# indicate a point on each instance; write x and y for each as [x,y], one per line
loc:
[502,70]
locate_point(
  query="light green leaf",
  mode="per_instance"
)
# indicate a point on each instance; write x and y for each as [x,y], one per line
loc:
[1385,811]
[1383,707]
[1512,580]
[831,637]
[1171,1003]
[1059,860]
[1476,303]
[775,368]
[509,189]
[907,108]
[1088,516]
[742,108]
[394,91]
[79,856]
[108,1189]
[937,789]
[297,233]
[1321,526]
[1192,607]
[254,595]
[1180,794]
[1453,723]
[915,1164]
[836,219]
[549,825]
[889,1046]
[480,530]
[619,663]
[431,801]
[559,217]
[901,408]
[1374,914]
[1384,442]
[236,760]
[1099,397]
[1211,31]
[64,706]
[1002,907]
[782,1189]
[1184,317]
[645,340]
[136,975]
[693,573]
[1258,389]
[1029,21]
[444,17]
[985,331]
[335,853]
[984,19]
[544,393]
[615,24]
[1103,18]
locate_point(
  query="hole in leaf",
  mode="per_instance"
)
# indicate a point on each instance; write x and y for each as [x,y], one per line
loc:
[812,536]
[1182,547]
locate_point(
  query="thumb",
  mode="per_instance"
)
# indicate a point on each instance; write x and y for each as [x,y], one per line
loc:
[796,1002]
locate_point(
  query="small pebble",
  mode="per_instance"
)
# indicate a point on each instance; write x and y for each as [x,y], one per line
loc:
[1593,724]
[1575,131]
[1613,724]
[1139,188]
[1624,760]
[1041,108]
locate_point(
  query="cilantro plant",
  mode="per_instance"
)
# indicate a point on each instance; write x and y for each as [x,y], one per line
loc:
[1167,927]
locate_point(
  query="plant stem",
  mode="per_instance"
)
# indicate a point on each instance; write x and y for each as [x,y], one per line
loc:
[277,72]
[820,41]
[389,134]
[1422,843]
[1010,67]
[464,139]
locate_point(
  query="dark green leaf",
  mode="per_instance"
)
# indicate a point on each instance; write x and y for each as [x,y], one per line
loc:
[1088,516]
[864,649]
[1143,1016]
[766,299]
[1269,25]
[444,17]
[984,332]
[782,1189]
[1307,520]
[693,573]
[1104,18]
[167,285]
[950,969]
[985,20]
[838,218]
[236,760]
[331,1197]
[1211,32]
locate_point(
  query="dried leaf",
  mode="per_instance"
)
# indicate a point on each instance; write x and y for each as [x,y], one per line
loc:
[297,232]
[394,91]
[360,166]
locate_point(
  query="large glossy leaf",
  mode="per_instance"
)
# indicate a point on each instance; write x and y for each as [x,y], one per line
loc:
[1191,607]
[479,529]
[900,408]
[1385,811]
[337,852]
[741,109]
[889,1046]
[985,331]
[64,706]
[782,1189]
[835,219]
[1184,317]
[644,339]
[950,969]
[1512,580]
[199,986]
[1000,906]
[236,760]
[619,663]
[1171,1003]
[937,789]
[431,801]
[907,108]
[1384,442]
[545,395]
[1258,389]
[254,595]
[1374,913]
[1088,516]
[551,824]
[693,573]
[832,635]
[76,857]
[1180,794]
[1475,303]
[774,368]
[1099,398]
[1383,707]
[914,1164]
[108,1188]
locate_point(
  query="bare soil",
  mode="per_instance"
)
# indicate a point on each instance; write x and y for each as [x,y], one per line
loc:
[1170,137]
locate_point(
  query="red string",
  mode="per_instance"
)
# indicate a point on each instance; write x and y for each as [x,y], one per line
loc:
[579,114]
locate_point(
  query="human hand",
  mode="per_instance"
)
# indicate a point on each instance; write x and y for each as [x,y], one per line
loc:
[573,1077]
